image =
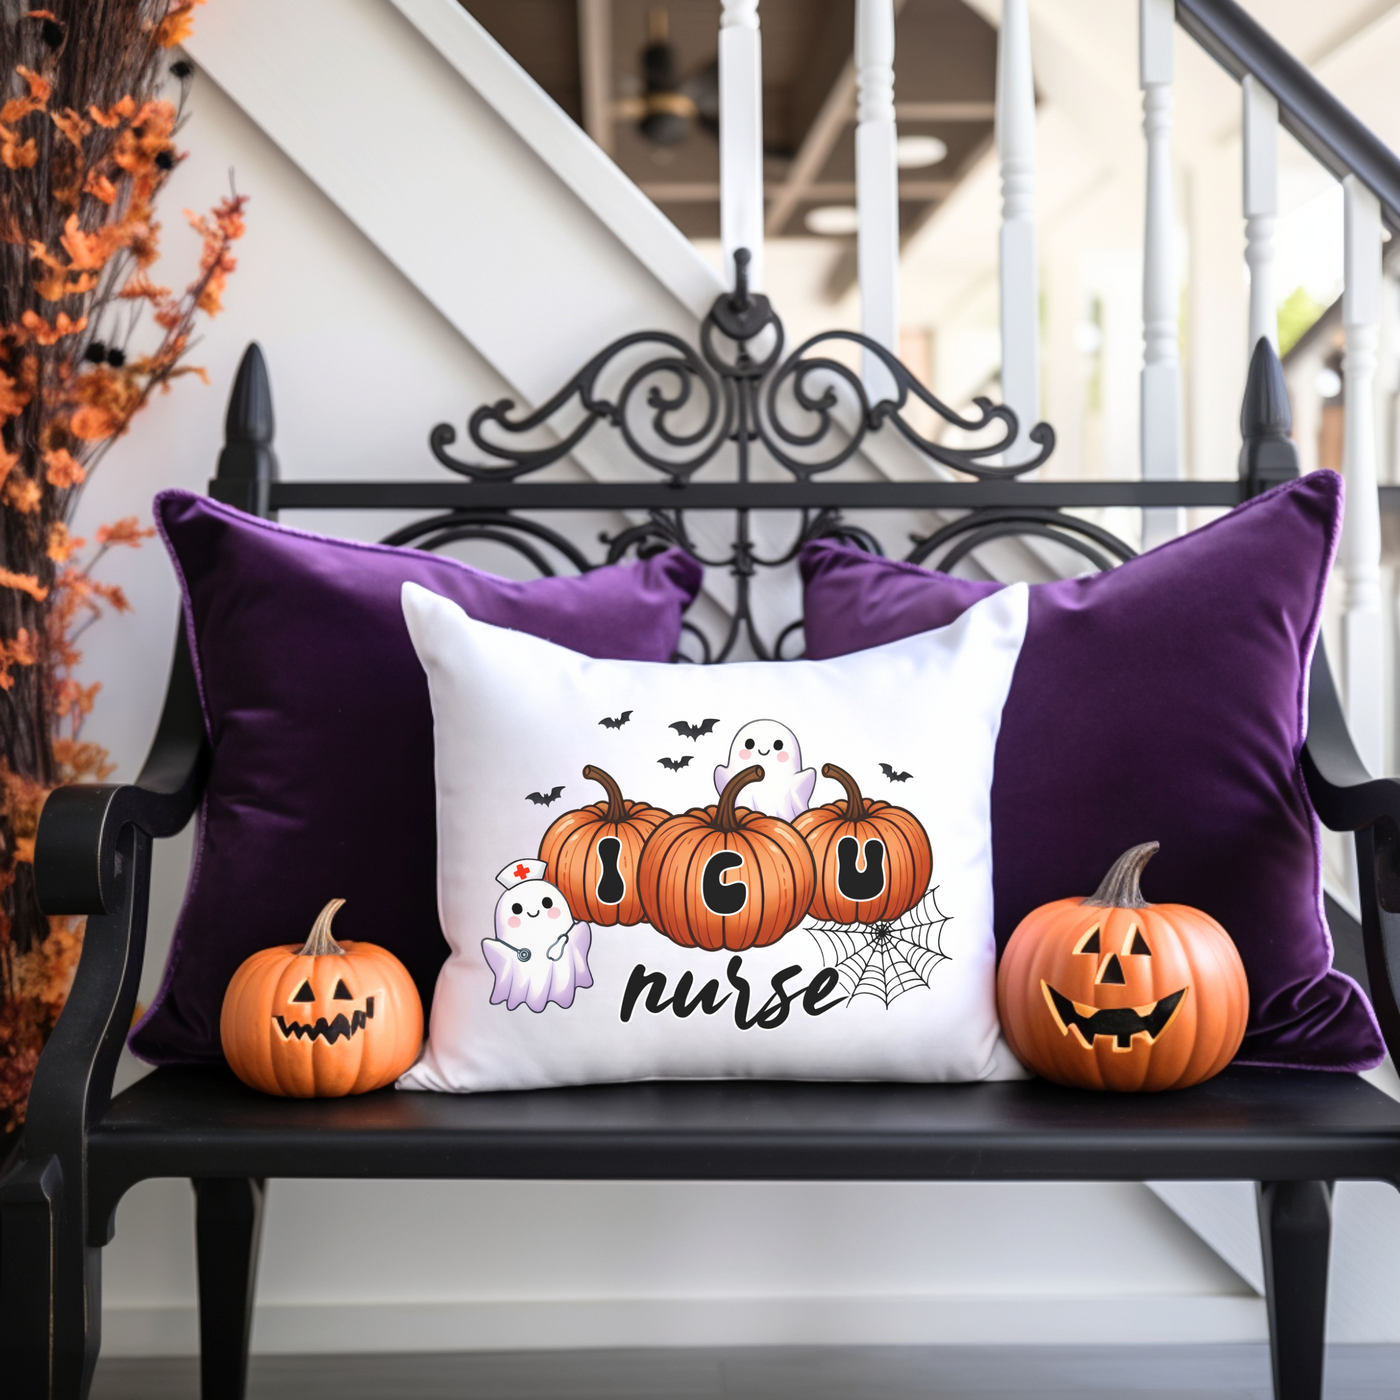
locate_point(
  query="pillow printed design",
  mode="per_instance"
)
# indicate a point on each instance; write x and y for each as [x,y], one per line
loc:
[535,963]
[763,869]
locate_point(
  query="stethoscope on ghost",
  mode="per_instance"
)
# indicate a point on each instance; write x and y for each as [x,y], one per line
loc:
[556,949]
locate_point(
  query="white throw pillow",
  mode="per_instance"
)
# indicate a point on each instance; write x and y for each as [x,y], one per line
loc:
[825,951]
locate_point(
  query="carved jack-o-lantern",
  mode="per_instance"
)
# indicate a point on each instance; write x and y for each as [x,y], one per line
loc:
[591,854]
[321,1019]
[1112,992]
[723,877]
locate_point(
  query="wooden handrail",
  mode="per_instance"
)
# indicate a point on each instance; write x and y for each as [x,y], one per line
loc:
[1322,124]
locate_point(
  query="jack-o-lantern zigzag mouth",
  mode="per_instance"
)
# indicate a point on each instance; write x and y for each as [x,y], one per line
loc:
[342,1027]
[1120,1022]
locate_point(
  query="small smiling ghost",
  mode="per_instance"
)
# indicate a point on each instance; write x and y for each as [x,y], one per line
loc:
[537,955]
[786,788]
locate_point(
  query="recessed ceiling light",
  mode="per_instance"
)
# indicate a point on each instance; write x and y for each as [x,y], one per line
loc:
[915,152]
[833,219]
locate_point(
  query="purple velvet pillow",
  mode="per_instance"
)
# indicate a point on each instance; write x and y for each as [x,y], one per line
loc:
[322,732]
[1163,701]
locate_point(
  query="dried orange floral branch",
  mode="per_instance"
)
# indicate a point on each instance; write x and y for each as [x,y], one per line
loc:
[87,142]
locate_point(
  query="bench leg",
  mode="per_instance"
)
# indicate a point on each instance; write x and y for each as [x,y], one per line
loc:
[228,1225]
[1295,1229]
[50,1289]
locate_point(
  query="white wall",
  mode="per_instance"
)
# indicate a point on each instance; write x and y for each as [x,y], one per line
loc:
[362,365]
[445,1266]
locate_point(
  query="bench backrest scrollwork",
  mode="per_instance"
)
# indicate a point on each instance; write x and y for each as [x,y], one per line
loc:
[736,425]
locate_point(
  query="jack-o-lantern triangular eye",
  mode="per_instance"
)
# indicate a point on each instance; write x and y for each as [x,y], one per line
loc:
[1090,944]
[342,992]
[304,993]
[1139,944]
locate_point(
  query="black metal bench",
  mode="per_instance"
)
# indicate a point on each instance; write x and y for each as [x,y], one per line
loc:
[1294,1133]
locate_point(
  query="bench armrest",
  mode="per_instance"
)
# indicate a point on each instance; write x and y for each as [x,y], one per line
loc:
[76,864]
[93,856]
[1347,798]
[1344,794]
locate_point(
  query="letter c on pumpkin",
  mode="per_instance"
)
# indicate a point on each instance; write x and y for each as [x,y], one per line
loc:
[719,897]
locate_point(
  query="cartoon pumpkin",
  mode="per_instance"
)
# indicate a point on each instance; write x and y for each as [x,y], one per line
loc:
[322,1019]
[873,859]
[592,854]
[1112,992]
[725,877]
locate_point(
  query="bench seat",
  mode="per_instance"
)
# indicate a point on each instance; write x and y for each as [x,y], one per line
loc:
[1251,1124]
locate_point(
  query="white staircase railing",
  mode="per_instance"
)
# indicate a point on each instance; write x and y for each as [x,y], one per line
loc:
[1275,90]
[1278,90]
[741,136]
[1020,275]
[1259,129]
[1360,552]
[1159,429]
[877,188]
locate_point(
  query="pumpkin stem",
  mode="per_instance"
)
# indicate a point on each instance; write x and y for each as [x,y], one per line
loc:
[724,813]
[321,944]
[617,804]
[1119,889]
[855,809]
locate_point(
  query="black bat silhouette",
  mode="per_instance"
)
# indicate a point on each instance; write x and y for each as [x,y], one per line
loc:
[674,763]
[693,731]
[616,723]
[543,799]
[893,776]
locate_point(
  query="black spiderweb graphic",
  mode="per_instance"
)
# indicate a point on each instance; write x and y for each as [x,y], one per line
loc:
[887,959]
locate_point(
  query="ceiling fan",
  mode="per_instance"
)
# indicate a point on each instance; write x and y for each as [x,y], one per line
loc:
[666,111]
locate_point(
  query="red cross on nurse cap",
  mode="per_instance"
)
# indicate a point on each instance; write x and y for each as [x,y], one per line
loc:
[519,870]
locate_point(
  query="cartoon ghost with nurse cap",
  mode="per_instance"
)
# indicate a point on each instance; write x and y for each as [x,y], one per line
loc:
[538,954]
[786,788]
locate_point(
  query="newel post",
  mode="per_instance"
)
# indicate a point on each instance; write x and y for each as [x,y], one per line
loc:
[1360,551]
[877,188]
[1268,455]
[741,136]
[1161,364]
[1020,283]
[247,465]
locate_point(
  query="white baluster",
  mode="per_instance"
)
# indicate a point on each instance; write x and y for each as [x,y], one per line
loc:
[877,188]
[741,136]
[1020,295]
[595,69]
[1161,365]
[1260,208]
[1361,534]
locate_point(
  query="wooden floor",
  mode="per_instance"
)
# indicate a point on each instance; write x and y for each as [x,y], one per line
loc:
[774,1373]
